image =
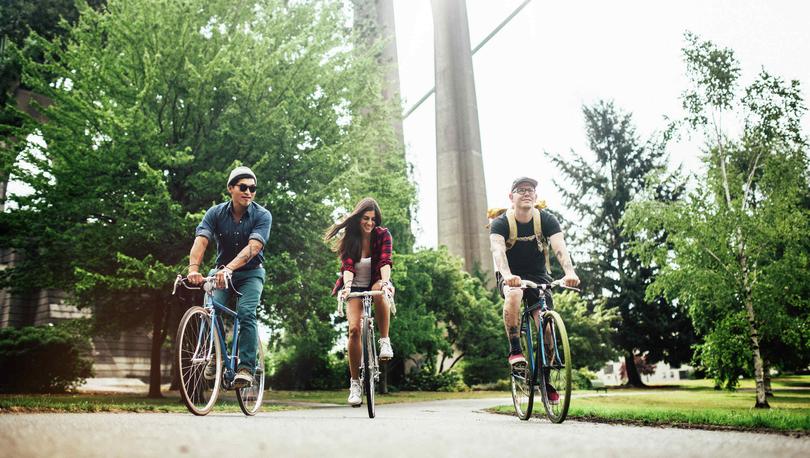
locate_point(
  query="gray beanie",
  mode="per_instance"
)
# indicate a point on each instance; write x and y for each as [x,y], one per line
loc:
[241,170]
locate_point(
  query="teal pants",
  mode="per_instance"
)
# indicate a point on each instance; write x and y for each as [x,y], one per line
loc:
[250,283]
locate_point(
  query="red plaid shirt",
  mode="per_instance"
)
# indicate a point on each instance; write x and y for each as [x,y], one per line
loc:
[380,256]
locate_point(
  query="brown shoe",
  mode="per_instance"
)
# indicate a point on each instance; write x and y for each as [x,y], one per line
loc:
[243,379]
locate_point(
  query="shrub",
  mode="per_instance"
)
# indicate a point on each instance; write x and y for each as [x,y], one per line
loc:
[305,367]
[426,380]
[44,359]
[581,379]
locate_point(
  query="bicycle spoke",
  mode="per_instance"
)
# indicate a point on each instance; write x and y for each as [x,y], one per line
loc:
[195,352]
[556,383]
[522,377]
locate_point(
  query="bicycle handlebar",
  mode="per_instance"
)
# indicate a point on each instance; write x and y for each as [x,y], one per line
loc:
[365,293]
[209,283]
[389,297]
[544,286]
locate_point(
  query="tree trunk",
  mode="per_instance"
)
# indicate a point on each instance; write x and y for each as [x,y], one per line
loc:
[177,314]
[767,368]
[157,342]
[759,373]
[633,378]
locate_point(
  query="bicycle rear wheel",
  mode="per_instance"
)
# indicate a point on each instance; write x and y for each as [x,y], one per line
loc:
[368,365]
[557,372]
[196,350]
[523,377]
[250,398]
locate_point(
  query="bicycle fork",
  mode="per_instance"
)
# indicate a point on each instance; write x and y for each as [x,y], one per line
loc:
[368,323]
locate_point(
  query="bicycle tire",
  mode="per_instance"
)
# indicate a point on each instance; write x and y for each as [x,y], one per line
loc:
[194,342]
[250,398]
[558,372]
[368,367]
[523,379]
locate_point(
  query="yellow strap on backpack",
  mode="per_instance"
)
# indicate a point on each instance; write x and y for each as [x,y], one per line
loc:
[542,243]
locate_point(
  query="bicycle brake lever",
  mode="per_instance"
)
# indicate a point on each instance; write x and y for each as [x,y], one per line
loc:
[176,281]
[340,308]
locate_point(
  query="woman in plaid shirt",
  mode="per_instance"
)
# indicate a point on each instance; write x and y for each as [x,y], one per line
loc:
[365,254]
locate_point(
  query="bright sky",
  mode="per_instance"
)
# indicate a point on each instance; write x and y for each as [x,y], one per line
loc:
[533,77]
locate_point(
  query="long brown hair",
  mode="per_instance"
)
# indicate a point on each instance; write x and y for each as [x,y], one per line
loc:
[350,244]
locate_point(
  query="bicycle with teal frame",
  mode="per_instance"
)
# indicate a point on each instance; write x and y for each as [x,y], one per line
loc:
[200,345]
[543,368]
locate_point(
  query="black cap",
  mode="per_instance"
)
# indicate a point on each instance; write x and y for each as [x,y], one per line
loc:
[531,181]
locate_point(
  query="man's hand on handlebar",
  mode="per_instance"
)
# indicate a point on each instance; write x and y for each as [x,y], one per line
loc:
[512,280]
[195,278]
[571,280]
[223,275]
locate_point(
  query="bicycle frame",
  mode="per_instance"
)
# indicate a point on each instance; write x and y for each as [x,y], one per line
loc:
[542,308]
[528,313]
[217,331]
[368,322]
[231,358]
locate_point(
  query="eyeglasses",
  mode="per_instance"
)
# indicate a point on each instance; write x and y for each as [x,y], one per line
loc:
[243,187]
[523,191]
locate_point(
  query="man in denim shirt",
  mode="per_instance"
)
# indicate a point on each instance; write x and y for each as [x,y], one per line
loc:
[241,228]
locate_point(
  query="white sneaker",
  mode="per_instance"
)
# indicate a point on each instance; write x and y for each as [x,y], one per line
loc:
[386,352]
[354,393]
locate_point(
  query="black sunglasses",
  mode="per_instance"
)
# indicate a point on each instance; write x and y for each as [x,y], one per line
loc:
[243,187]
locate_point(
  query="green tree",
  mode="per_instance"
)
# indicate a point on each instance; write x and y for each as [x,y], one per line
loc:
[604,184]
[445,311]
[738,254]
[590,330]
[154,103]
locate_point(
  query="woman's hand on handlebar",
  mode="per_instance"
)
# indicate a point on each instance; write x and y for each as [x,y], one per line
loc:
[388,288]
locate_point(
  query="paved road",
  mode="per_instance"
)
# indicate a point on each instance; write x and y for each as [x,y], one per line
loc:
[442,428]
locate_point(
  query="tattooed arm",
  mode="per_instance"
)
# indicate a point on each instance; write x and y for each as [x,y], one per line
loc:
[561,252]
[498,246]
[248,252]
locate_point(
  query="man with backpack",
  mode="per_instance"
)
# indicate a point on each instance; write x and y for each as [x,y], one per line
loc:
[519,238]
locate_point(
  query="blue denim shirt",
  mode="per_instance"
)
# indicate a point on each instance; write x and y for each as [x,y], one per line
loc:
[232,236]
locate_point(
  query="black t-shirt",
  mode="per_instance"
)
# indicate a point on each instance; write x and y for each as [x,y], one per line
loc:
[526,260]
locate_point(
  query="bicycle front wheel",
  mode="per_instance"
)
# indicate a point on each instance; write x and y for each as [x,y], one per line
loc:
[523,376]
[556,374]
[250,398]
[200,361]
[368,365]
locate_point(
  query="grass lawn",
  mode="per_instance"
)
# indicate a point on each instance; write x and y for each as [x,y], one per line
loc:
[696,403]
[79,403]
[273,401]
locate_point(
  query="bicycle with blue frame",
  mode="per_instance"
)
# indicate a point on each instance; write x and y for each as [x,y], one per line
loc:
[543,368]
[200,346]
[370,364]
